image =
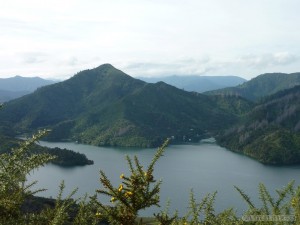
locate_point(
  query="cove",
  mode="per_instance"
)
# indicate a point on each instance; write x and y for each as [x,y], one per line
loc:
[203,167]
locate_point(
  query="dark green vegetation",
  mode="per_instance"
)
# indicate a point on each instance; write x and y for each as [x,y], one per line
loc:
[63,157]
[15,87]
[197,83]
[104,106]
[263,85]
[270,132]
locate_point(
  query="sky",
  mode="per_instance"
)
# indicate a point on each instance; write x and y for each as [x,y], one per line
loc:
[56,39]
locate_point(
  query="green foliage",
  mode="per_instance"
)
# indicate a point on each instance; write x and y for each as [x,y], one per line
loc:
[233,104]
[13,170]
[87,213]
[270,131]
[204,213]
[285,205]
[15,190]
[104,106]
[58,215]
[261,86]
[61,157]
[137,191]
[65,157]
[164,218]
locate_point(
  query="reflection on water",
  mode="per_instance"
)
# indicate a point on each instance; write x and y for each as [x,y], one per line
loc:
[204,167]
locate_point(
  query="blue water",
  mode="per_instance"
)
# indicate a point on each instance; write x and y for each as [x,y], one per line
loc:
[205,168]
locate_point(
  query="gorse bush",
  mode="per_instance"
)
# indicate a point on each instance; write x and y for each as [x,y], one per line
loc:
[14,168]
[137,190]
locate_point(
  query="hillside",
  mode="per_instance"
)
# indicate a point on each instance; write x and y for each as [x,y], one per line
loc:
[271,131]
[15,87]
[261,86]
[197,83]
[105,106]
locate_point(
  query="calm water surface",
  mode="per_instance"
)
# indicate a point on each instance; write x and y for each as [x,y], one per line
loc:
[205,168]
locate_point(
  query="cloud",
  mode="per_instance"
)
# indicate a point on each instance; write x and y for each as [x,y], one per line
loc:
[156,38]
[33,57]
[186,66]
[246,65]
[267,60]
[284,58]
[73,61]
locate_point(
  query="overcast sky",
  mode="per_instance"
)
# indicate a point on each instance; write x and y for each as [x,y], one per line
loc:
[57,38]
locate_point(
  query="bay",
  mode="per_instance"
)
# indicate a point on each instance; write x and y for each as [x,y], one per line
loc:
[203,168]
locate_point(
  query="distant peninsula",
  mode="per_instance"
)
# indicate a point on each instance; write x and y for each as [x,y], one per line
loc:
[64,157]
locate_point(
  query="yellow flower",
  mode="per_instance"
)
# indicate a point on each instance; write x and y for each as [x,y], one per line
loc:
[112,199]
[120,187]
[122,176]
[98,214]
[128,193]
[149,177]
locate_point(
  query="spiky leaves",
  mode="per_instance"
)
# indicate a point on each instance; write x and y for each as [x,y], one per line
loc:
[137,191]
[14,168]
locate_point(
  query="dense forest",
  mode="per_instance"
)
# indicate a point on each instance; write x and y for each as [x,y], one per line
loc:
[270,132]
[106,107]
[63,157]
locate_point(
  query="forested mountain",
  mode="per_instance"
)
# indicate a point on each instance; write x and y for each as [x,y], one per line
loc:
[197,83]
[261,86]
[271,131]
[105,106]
[15,87]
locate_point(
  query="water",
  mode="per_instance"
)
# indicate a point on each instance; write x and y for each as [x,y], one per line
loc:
[205,168]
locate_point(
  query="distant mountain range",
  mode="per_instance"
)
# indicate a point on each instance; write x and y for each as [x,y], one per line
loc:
[9,95]
[104,106]
[261,86]
[15,87]
[197,83]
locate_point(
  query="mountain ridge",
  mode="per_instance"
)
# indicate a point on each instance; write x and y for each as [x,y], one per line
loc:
[270,132]
[104,106]
[261,86]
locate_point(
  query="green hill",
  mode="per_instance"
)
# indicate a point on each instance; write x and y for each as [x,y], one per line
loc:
[105,106]
[271,131]
[261,86]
